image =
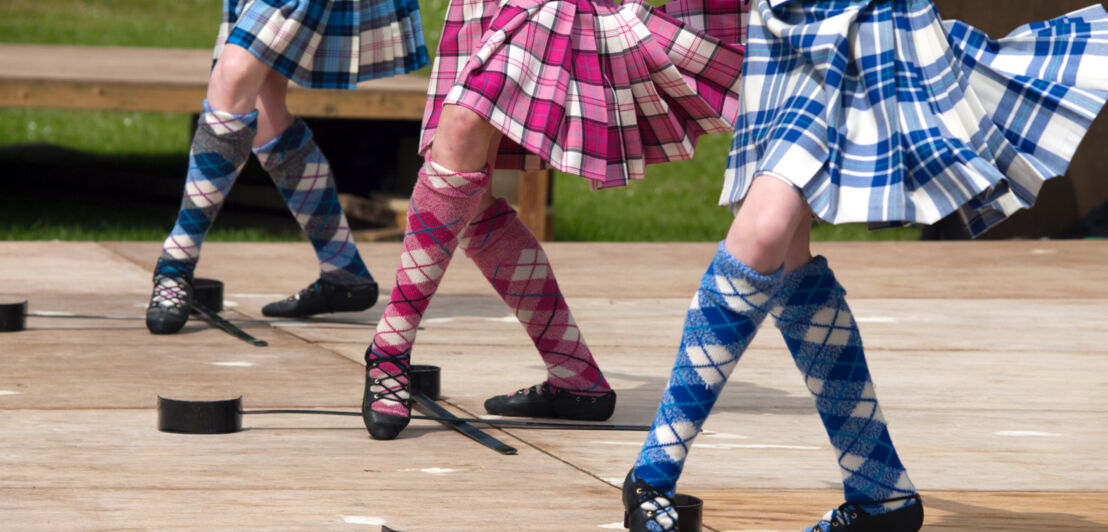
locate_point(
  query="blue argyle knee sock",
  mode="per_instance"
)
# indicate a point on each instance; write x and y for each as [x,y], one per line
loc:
[303,176]
[724,315]
[827,348]
[219,150]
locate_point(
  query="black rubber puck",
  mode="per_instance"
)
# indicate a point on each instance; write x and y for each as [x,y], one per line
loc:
[13,316]
[208,292]
[200,417]
[426,380]
[690,512]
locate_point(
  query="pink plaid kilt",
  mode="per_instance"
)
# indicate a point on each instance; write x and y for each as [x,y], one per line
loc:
[592,87]
[723,19]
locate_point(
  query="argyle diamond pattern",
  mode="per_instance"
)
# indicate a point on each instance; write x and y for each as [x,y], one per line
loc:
[515,264]
[303,176]
[219,150]
[721,321]
[428,247]
[435,218]
[823,338]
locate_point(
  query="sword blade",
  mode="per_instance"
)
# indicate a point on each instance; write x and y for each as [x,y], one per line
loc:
[452,421]
[222,324]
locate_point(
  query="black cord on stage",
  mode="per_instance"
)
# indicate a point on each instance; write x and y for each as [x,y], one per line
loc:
[510,423]
[246,319]
[293,411]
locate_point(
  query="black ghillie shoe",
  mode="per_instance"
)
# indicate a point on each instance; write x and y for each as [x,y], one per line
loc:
[324,296]
[541,400]
[645,508]
[849,517]
[170,304]
[394,386]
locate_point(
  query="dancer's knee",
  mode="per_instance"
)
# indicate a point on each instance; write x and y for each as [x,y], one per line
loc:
[462,139]
[767,225]
[236,80]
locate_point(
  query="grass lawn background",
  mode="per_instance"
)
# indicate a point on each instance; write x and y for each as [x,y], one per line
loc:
[677,201]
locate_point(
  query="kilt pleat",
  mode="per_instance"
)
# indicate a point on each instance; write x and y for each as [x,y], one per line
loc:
[592,88]
[327,44]
[725,20]
[879,112]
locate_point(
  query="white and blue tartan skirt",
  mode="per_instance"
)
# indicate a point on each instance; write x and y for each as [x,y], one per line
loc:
[327,44]
[879,112]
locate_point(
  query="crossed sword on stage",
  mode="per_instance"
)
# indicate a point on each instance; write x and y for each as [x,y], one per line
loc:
[427,405]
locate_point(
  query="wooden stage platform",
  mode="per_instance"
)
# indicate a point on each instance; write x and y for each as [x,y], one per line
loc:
[991,360]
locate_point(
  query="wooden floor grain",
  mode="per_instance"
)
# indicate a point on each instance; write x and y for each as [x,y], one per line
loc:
[990,360]
[948,511]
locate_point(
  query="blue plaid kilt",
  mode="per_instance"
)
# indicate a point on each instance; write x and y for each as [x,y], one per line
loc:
[879,112]
[327,44]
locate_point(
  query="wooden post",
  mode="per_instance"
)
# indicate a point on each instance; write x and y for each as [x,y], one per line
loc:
[534,199]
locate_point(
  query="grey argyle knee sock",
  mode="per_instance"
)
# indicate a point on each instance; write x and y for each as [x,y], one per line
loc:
[303,176]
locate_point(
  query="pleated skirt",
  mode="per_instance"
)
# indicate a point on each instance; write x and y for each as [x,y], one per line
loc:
[880,112]
[327,44]
[590,87]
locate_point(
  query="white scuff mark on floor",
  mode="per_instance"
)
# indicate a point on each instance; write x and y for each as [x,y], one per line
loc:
[45,313]
[229,303]
[289,324]
[618,481]
[875,319]
[724,436]
[429,470]
[438,320]
[1028,433]
[1040,251]
[8,392]
[436,470]
[234,364]
[618,525]
[362,520]
[505,319]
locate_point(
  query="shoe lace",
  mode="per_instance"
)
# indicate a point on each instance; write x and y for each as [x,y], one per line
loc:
[316,286]
[536,390]
[849,512]
[168,292]
[657,505]
[845,514]
[389,385]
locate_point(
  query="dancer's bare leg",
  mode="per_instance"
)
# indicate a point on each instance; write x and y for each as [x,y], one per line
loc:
[772,225]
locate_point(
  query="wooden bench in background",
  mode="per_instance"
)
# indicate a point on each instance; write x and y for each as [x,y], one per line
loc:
[175,80]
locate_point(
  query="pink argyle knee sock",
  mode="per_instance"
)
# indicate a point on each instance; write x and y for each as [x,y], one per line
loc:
[442,201]
[514,263]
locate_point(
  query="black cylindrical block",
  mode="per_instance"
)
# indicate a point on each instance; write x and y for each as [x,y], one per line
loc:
[208,292]
[13,317]
[690,512]
[200,417]
[426,380]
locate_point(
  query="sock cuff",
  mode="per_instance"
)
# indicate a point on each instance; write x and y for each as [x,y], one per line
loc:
[286,145]
[805,290]
[438,168]
[174,268]
[725,264]
[225,123]
[817,266]
[442,180]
